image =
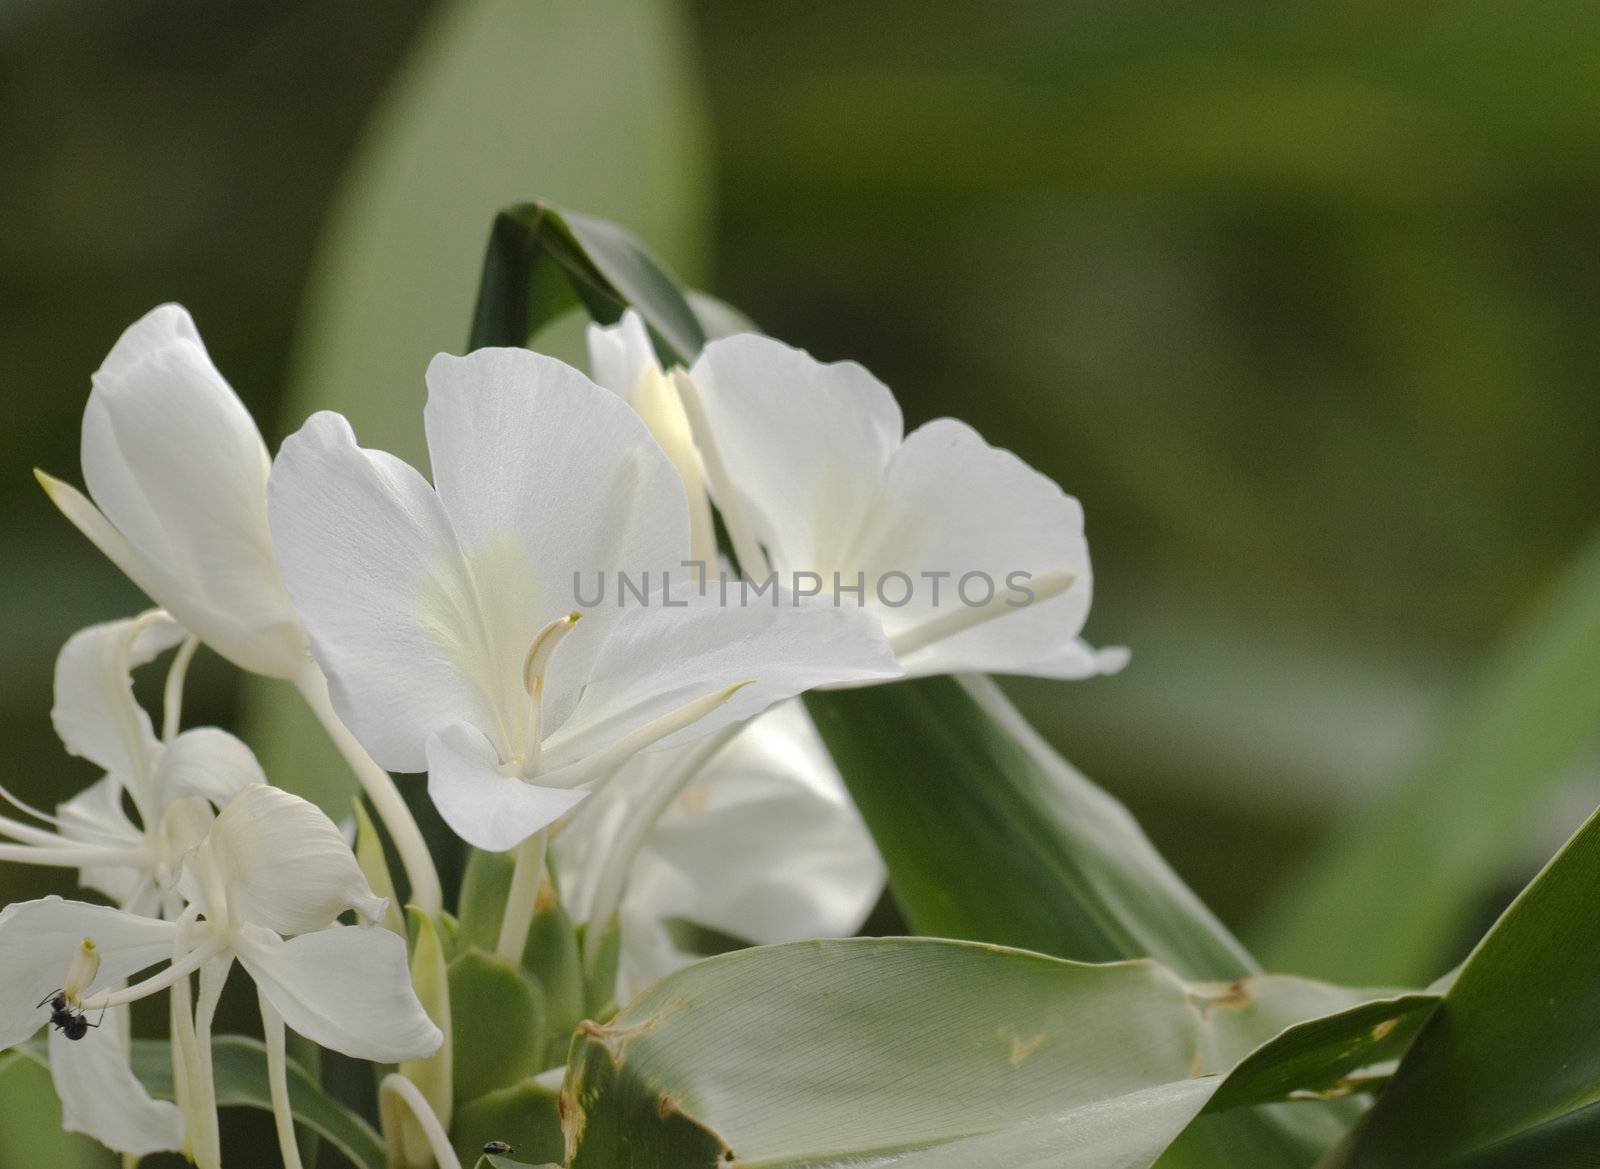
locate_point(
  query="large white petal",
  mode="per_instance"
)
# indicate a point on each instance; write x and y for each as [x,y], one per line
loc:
[283,864]
[620,354]
[94,712]
[805,443]
[209,763]
[545,476]
[38,940]
[395,621]
[769,840]
[953,504]
[345,988]
[658,659]
[485,808]
[101,1097]
[173,459]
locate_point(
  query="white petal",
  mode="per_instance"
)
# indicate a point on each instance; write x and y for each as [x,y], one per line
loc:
[283,863]
[805,443]
[101,1097]
[95,713]
[953,504]
[38,940]
[619,354]
[658,659]
[96,816]
[546,476]
[768,839]
[370,560]
[486,809]
[345,988]
[175,462]
[209,763]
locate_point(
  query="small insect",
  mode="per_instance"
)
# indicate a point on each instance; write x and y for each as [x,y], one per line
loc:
[498,1149]
[63,1018]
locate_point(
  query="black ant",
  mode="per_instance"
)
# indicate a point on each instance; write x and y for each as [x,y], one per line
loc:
[63,1018]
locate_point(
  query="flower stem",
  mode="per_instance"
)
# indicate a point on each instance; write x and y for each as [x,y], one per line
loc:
[278,1083]
[181,967]
[612,882]
[395,1093]
[522,897]
[426,893]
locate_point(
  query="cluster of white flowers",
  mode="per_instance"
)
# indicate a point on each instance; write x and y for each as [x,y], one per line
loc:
[650,761]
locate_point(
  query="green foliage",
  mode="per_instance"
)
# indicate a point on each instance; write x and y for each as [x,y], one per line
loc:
[498,1013]
[925,1053]
[1507,1072]
[1533,714]
[30,1120]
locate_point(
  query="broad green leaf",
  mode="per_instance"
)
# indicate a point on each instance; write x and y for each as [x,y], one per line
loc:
[591,103]
[1446,832]
[488,1161]
[551,956]
[240,1067]
[525,1116]
[497,1014]
[919,1052]
[30,1120]
[1507,1073]
[990,835]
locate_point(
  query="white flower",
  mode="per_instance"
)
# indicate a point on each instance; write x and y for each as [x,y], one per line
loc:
[761,844]
[271,865]
[437,611]
[171,786]
[809,461]
[177,473]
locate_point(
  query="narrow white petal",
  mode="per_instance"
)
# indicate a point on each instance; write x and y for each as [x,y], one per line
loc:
[283,863]
[209,763]
[346,988]
[94,712]
[485,808]
[95,817]
[369,557]
[805,443]
[101,1097]
[174,460]
[38,940]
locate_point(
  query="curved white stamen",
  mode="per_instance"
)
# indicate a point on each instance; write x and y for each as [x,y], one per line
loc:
[26,808]
[595,771]
[533,671]
[395,1092]
[180,968]
[920,636]
[172,692]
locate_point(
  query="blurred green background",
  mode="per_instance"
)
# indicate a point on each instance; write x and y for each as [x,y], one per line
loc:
[1299,301]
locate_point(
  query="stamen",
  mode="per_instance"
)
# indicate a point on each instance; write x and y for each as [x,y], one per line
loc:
[908,641]
[27,809]
[595,771]
[81,971]
[65,854]
[533,671]
[172,692]
[180,968]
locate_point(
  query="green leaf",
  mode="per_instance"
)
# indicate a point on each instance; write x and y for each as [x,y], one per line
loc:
[990,835]
[240,1068]
[30,1120]
[925,1053]
[1508,1071]
[492,1162]
[543,260]
[484,890]
[498,1016]
[1446,832]
[551,956]
[525,1116]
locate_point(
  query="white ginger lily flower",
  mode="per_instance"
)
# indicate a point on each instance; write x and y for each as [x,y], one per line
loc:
[172,785]
[437,610]
[761,844]
[813,473]
[177,474]
[271,865]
